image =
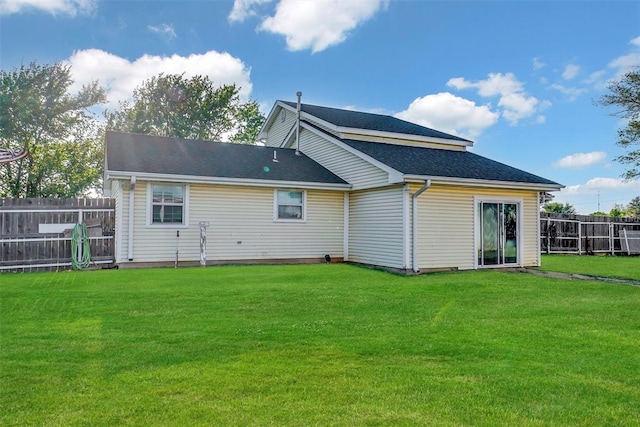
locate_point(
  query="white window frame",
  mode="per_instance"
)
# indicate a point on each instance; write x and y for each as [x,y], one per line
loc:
[275,206]
[185,206]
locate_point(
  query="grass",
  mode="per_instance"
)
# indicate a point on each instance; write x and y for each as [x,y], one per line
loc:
[621,267]
[316,345]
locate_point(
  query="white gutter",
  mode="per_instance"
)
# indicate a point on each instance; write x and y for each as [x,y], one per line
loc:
[484,183]
[132,187]
[414,215]
[192,179]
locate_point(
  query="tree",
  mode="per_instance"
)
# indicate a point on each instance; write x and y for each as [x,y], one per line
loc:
[633,208]
[618,211]
[176,106]
[625,94]
[557,207]
[62,137]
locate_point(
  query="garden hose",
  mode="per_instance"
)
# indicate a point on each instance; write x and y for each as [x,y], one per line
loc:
[80,240]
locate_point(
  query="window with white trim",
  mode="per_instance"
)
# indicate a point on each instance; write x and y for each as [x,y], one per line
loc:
[289,205]
[167,204]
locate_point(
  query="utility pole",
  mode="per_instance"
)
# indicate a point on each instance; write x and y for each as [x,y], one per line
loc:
[598,200]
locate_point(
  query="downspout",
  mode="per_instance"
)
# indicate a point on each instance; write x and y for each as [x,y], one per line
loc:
[345,229]
[299,95]
[414,224]
[132,187]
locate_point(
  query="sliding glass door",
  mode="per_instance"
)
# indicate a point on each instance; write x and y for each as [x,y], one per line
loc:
[497,233]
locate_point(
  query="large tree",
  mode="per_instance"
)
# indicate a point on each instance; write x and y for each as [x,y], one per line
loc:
[633,208]
[625,95]
[177,106]
[63,138]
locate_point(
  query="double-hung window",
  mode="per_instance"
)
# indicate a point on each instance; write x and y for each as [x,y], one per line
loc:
[289,205]
[168,204]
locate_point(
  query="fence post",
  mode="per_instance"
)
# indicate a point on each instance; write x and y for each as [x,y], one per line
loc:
[548,236]
[611,238]
[579,237]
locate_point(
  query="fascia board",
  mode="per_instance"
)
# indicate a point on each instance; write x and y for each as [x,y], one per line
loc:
[394,175]
[319,121]
[189,179]
[346,133]
[290,135]
[484,183]
[270,118]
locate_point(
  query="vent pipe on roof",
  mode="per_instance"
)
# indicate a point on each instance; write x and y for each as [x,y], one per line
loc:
[299,95]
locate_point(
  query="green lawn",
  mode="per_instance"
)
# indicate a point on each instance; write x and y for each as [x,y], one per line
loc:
[316,345]
[621,267]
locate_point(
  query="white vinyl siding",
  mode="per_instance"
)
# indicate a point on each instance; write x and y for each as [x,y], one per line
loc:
[376,233]
[124,230]
[242,227]
[356,171]
[280,129]
[446,225]
[116,194]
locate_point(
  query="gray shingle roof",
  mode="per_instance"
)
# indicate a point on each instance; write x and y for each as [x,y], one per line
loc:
[370,121]
[444,163]
[175,156]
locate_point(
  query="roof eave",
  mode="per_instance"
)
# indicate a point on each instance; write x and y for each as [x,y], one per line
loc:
[539,186]
[252,182]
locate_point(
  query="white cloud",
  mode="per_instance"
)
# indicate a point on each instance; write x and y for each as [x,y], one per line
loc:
[54,7]
[580,160]
[538,64]
[571,92]
[120,76]
[625,63]
[451,114]
[318,24]
[570,71]
[516,104]
[600,184]
[596,77]
[163,30]
[243,9]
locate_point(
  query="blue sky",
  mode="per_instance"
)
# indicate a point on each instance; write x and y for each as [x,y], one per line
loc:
[517,77]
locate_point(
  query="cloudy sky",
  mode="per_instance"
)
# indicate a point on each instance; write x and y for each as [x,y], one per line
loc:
[520,78]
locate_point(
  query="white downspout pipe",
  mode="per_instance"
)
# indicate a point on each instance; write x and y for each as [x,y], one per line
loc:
[299,95]
[132,187]
[414,224]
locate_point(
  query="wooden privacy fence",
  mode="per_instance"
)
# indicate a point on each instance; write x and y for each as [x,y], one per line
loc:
[582,234]
[36,234]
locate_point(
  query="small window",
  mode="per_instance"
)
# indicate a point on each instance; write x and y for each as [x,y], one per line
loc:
[167,204]
[289,205]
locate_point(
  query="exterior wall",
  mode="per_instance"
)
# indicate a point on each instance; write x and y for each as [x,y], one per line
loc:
[446,225]
[116,194]
[376,232]
[279,129]
[356,171]
[241,227]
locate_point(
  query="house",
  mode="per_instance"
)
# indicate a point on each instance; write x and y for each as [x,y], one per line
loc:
[359,187]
